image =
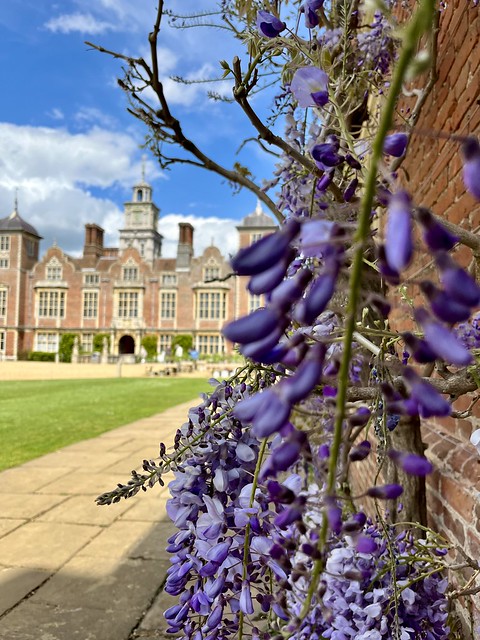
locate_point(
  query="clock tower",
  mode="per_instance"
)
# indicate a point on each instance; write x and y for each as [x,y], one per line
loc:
[141,220]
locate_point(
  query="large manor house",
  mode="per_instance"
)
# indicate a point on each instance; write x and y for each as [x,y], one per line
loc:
[127,292]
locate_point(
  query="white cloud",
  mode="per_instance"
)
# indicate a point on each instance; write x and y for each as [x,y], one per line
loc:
[207,229]
[99,16]
[82,22]
[56,114]
[60,177]
[95,116]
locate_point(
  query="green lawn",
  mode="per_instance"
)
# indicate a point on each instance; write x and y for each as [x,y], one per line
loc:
[37,417]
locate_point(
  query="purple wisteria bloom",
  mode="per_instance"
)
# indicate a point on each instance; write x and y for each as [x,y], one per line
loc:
[310,87]
[424,399]
[326,155]
[418,348]
[435,235]
[272,277]
[398,234]
[257,325]
[442,341]
[471,166]
[411,463]
[443,305]
[395,144]
[310,9]
[456,281]
[385,492]
[350,189]
[266,252]
[269,25]
[360,451]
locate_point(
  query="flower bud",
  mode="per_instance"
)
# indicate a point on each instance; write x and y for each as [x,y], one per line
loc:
[360,451]
[255,326]
[398,233]
[395,144]
[385,492]
[411,463]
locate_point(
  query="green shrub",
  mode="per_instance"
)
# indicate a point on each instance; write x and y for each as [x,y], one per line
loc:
[41,356]
[66,346]
[98,341]
[149,343]
[183,340]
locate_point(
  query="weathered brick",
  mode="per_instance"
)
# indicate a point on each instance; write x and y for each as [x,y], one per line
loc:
[458,498]
[454,528]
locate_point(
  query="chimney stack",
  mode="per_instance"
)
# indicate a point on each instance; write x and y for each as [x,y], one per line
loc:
[185,246]
[93,240]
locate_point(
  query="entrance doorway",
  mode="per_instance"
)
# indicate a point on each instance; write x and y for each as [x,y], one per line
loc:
[126,345]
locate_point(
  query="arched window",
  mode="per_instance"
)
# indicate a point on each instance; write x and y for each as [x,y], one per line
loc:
[139,195]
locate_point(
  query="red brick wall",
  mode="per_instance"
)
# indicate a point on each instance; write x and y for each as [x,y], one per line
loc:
[432,174]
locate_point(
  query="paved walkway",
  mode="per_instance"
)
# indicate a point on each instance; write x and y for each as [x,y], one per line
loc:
[72,570]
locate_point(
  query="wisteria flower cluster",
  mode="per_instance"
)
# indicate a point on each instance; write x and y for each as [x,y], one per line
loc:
[271,540]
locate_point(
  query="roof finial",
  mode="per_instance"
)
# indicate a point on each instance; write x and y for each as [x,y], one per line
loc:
[144,160]
[15,205]
[258,208]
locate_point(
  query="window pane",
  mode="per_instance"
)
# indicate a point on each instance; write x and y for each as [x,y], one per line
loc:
[90,304]
[168,301]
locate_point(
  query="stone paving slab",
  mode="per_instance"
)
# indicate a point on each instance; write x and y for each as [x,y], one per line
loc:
[16,583]
[9,524]
[21,505]
[81,482]
[82,509]
[42,545]
[30,621]
[70,569]
[100,444]
[103,583]
[129,539]
[21,480]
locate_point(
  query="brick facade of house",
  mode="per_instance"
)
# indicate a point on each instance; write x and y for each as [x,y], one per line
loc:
[127,292]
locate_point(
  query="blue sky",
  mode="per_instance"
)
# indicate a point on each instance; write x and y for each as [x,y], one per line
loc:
[68,143]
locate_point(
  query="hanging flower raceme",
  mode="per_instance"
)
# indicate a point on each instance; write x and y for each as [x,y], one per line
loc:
[310,87]
[270,410]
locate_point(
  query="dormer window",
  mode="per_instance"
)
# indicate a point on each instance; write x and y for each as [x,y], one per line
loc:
[54,270]
[211,270]
[130,272]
